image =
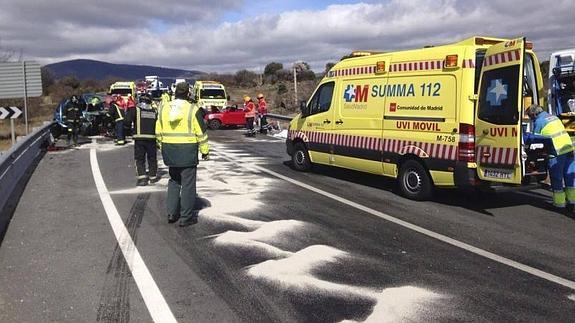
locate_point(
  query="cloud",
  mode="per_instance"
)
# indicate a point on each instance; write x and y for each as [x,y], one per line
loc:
[193,35]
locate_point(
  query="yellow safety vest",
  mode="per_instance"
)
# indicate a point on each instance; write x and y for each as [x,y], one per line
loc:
[561,140]
[185,129]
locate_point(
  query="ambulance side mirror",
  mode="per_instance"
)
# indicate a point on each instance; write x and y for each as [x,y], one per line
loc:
[303,108]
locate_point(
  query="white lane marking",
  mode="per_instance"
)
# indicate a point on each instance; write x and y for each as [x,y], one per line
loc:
[155,302]
[478,251]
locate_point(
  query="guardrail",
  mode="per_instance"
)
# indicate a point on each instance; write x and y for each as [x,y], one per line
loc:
[15,163]
[279,117]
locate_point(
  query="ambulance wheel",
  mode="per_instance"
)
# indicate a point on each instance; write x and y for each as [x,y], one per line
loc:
[300,158]
[414,181]
[215,124]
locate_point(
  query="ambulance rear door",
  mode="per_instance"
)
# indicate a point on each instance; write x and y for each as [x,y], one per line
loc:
[498,113]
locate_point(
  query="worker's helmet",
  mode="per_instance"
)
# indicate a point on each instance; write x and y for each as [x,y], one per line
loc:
[247,98]
[260,96]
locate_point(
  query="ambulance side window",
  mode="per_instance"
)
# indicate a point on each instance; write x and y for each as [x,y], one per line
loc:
[321,101]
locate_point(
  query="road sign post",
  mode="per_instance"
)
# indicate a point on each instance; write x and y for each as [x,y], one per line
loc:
[20,79]
[11,113]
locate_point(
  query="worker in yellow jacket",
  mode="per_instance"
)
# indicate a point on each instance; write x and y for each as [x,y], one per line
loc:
[181,131]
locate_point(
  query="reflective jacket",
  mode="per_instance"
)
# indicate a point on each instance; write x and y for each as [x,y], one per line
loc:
[263,107]
[250,109]
[551,127]
[116,112]
[182,132]
[145,122]
[72,112]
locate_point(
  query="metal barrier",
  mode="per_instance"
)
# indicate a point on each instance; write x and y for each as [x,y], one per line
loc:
[15,163]
[279,117]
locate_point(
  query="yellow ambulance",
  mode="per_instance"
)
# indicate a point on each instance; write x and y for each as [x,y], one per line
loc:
[443,116]
[123,88]
[209,94]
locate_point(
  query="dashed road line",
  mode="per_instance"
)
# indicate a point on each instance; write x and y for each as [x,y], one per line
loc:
[459,244]
[153,298]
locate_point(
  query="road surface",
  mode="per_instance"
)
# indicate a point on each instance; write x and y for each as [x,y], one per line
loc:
[275,245]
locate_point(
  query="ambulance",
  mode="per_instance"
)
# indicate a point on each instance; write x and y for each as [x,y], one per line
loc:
[123,88]
[210,94]
[445,116]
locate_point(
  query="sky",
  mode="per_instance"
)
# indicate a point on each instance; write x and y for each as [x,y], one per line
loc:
[229,35]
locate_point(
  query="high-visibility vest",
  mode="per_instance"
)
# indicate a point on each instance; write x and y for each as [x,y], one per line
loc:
[555,130]
[250,110]
[263,107]
[185,128]
[145,122]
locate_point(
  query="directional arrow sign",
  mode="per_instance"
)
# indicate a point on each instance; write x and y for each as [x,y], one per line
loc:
[10,112]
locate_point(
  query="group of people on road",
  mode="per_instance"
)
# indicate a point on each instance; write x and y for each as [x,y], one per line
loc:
[253,112]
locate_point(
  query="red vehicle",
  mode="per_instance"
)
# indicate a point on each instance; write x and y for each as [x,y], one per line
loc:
[230,116]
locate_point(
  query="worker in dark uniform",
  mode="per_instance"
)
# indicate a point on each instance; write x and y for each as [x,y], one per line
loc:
[145,140]
[71,117]
[182,133]
[118,115]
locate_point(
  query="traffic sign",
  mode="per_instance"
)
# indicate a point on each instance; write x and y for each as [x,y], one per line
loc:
[10,112]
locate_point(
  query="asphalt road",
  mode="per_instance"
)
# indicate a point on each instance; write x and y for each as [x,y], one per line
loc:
[271,250]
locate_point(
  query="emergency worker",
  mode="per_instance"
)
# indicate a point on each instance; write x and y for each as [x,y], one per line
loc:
[263,112]
[95,104]
[145,140]
[182,133]
[250,112]
[130,115]
[71,117]
[561,163]
[118,115]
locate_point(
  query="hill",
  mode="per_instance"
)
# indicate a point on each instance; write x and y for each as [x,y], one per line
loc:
[85,69]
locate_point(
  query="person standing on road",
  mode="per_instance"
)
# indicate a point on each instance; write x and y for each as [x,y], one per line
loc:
[71,117]
[250,111]
[145,140]
[118,114]
[561,162]
[130,115]
[263,112]
[182,133]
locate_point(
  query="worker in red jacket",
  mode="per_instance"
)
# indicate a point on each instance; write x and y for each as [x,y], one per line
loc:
[263,112]
[250,112]
[130,114]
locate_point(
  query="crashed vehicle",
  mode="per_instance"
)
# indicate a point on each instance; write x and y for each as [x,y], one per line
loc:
[94,119]
[217,118]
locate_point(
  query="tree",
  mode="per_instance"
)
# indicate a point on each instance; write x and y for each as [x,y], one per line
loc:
[47,79]
[304,72]
[272,68]
[5,53]
[246,78]
[328,67]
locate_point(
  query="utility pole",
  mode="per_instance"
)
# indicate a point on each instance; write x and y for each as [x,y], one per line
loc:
[295,84]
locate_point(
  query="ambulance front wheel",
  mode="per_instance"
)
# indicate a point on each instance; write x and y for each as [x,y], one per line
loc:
[300,158]
[414,181]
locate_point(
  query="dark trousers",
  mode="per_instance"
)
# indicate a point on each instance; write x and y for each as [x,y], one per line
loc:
[73,129]
[250,124]
[120,132]
[182,192]
[263,123]
[129,121]
[146,150]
